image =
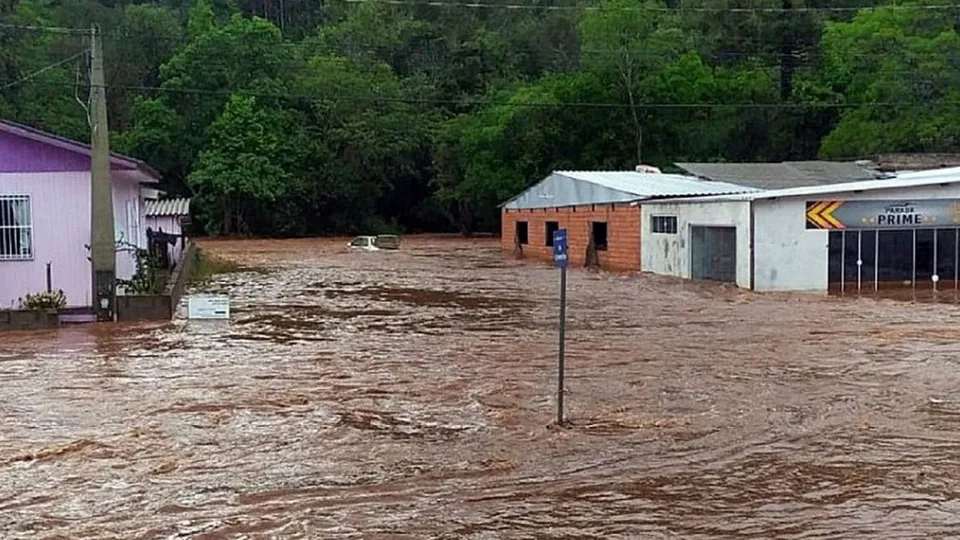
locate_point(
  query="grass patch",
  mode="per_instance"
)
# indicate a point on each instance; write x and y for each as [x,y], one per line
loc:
[206,266]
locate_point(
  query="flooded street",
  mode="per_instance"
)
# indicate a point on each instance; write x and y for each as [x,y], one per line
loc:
[410,394]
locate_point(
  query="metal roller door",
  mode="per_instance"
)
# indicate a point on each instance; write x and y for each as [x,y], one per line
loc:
[714,252]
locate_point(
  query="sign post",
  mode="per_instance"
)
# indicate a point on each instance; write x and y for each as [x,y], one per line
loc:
[560,259]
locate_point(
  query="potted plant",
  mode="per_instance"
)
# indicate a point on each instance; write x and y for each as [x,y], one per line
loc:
[40,310]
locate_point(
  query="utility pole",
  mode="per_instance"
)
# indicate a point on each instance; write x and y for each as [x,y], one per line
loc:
[103,254]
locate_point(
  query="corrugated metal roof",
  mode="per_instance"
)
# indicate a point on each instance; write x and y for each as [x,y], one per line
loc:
[652,185]
[789,174]
[569,188]
[907,180]
[168,207]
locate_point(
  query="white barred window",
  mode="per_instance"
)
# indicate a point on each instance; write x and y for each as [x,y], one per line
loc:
[16,228]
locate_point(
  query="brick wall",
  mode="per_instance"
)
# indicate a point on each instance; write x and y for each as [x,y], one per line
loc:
[623,233]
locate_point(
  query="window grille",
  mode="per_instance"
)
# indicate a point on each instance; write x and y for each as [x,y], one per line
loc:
[664,224]
[16,228]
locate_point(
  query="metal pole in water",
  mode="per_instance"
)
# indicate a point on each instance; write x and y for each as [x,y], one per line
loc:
[876,261]
[561,259]
[936,275]
[914,279]
[859,260]
[563,332]
[843,261]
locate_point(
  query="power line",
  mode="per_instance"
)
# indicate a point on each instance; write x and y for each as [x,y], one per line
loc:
[530,104]
[534,7]
[42,70]
[47,29]
[801,54]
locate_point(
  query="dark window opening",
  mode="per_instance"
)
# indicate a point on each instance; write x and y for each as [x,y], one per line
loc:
[552,227]
[893,258]
[664,224]
[599,235]
[522,233]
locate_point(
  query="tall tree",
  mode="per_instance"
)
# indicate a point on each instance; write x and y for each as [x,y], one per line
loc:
[899,71]
[246,166]
[638,38]
[202,19]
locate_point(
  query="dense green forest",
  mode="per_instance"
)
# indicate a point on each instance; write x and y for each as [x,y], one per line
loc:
[299,117]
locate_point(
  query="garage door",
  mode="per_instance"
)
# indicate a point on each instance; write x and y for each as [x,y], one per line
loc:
[714,251]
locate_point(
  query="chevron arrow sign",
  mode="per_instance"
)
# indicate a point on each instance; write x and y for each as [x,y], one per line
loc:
[880,214]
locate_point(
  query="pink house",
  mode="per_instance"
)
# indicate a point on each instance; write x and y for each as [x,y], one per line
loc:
[45,214]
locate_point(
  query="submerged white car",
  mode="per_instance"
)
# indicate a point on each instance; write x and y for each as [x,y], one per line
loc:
[375,243]
[368,243]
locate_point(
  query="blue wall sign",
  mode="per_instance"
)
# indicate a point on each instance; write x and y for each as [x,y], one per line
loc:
[560,247]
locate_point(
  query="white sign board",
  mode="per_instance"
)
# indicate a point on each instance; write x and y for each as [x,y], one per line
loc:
[208,307]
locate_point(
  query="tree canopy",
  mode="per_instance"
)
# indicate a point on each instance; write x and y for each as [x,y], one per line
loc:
[299,117]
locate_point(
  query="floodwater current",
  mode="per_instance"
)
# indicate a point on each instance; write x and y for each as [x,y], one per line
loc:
[410,394]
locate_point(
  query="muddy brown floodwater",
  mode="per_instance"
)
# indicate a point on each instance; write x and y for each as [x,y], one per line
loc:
[409,395]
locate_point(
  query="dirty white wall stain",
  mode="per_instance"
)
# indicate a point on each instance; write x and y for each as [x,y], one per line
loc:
[669,254]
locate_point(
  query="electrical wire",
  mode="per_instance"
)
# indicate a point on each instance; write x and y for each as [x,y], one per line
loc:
[799,53]
[581,7]
[483,5]
[40,71]
[47,29]
[530,104]
[799,50]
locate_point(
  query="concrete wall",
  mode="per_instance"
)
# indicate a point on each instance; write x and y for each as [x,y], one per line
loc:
[791,258]
[787,256]
[623,233]
[60,211]
[28,319]
[159,306]
[670,254]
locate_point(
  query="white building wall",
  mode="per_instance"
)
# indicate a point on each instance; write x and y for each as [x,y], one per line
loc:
[669,254]
[788,257]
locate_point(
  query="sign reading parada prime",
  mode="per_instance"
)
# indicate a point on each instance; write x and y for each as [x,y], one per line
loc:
[883,214]
[208,307]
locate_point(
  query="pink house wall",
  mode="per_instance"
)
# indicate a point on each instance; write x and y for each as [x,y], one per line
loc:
[60,210]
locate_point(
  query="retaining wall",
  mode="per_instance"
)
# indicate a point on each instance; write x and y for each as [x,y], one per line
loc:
[158,307]
[28,319]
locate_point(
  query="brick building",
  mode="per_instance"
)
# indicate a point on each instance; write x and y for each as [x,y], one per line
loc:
[600,210]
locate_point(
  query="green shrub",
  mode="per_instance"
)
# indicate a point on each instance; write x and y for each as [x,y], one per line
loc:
[206,266]
[146,278]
